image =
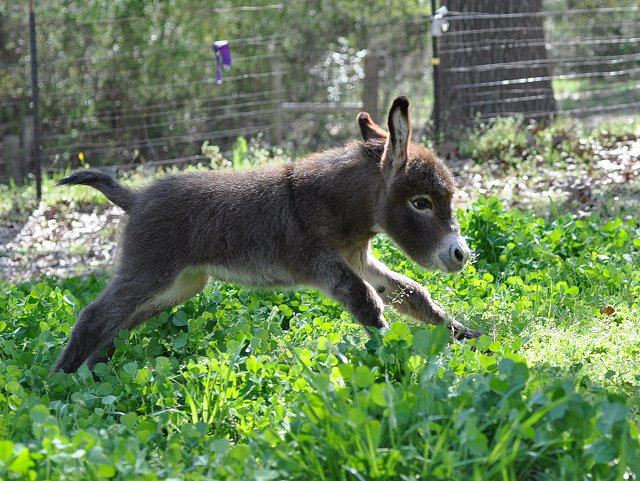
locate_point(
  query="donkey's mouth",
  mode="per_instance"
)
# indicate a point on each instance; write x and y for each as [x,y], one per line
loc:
[453,254]
[447,265]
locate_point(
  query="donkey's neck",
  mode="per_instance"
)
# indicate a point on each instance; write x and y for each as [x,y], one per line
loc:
[339,190]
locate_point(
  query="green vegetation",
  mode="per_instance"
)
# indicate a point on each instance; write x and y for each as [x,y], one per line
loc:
[514,141]
[242,384]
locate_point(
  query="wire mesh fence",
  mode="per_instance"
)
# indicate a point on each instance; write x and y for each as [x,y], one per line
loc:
[141,85]
[137,94]
[541,59]
[144,87]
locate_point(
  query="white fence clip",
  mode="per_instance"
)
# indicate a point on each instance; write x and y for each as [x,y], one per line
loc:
[439,24]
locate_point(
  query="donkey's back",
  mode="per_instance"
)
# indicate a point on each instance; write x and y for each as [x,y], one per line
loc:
[274,216]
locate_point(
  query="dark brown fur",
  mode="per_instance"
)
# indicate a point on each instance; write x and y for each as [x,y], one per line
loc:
[303,223]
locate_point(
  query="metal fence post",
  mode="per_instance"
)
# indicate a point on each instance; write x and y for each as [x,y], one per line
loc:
[371,80]
[35,99]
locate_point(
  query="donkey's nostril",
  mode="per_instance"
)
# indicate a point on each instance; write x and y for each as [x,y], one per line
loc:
[455,255]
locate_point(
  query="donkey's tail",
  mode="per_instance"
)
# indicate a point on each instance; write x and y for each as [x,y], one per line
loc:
[117,193]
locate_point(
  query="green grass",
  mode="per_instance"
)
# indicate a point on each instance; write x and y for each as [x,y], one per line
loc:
[240,384]
[513,141]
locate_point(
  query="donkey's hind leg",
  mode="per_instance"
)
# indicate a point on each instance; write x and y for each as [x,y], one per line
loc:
[104,354]
[101,355]
[124,307]
[99,322]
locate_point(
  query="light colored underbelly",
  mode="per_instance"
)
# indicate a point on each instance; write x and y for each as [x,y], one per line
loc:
[192,280]
[257,276]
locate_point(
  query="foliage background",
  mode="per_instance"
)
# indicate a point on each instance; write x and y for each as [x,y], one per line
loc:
[133,81]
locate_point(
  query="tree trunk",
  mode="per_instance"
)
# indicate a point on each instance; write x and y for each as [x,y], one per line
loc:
[494,65]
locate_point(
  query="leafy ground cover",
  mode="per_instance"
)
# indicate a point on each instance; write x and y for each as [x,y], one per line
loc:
[243,384]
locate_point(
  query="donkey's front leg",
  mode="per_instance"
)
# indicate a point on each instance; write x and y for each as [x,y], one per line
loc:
[339,281]
[409,297]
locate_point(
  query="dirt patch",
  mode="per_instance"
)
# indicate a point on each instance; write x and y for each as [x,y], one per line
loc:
[8,232]
[610,184]
[64,243]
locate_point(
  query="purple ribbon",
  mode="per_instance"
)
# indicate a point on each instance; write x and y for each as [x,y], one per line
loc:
[223,57]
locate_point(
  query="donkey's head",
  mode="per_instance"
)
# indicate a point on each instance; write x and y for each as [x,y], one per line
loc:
[415,209]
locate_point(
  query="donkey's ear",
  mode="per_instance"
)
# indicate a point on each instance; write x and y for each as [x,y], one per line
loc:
[369,129]
[399,132]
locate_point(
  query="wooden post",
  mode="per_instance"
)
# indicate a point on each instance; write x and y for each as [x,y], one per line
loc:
[371,81]
[11,150]
[276,87]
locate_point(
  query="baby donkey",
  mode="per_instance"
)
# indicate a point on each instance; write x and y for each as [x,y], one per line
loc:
[302,223]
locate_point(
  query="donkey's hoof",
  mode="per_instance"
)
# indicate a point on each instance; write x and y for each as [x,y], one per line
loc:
[465,333]
[472,334]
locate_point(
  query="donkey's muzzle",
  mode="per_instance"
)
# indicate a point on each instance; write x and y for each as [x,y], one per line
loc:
[454,253]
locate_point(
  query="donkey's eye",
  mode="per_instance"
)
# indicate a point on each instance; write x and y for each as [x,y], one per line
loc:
[422,203]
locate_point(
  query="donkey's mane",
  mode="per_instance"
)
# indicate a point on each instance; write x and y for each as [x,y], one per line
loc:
[372,148]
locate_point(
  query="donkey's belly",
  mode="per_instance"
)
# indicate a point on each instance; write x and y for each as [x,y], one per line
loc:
[251,275]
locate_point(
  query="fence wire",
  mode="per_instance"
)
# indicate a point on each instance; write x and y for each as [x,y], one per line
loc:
[113,102]
[588,60]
